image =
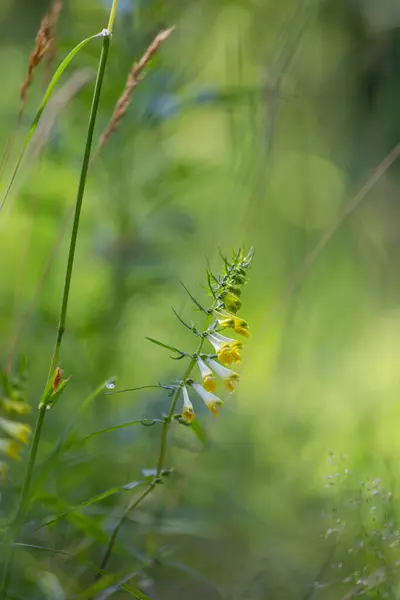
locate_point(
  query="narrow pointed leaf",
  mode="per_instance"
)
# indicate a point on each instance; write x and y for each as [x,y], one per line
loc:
[166,346]
[145,422]
[198,431]
[93,500]
[42,106]
[193,299]
[135,389]
[181,320]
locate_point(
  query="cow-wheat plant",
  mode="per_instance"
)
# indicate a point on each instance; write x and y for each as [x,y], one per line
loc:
[208,363]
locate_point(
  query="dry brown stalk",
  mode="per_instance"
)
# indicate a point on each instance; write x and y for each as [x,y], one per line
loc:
[54,16]
[134,78]
[44,44]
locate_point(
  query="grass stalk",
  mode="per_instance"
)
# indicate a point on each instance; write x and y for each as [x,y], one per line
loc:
[24,497]
[79,201]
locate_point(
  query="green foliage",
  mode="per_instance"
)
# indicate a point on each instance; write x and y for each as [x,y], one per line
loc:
[256,123]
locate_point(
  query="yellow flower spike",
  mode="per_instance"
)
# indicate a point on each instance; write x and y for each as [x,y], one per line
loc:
[188,411]
[211,401]
[228,377]
[209,381]
[18,431]
[10,448]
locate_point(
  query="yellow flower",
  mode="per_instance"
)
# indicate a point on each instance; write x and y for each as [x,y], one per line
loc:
[209,382]
[239,325]
[15,406]
[188,411]
[18,431]
[10,448]
[228,350]
[211,401]
[228,377]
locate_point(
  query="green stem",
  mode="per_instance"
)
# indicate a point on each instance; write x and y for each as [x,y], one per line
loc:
[113,12]
[79,200]
[24,497]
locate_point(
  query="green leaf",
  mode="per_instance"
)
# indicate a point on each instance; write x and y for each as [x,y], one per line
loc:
[135,389]
[136,593]
[199,432]
[193,299]
[98,587]
[144,422]
[93,500]
[167,346]
[42,106]
[123,584]
[190,327]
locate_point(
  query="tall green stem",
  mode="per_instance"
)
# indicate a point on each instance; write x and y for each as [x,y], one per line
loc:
[24,497]
[79,200]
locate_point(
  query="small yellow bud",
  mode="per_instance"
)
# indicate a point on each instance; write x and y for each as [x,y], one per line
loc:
[18,431]
[10,448]
[188,411]
[232,302]
[15,406]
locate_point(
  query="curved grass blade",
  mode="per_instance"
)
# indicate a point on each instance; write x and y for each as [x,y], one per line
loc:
[93,500]
[53,551]
[144,422]
[42,106]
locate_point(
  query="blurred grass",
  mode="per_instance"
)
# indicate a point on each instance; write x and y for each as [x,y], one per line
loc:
[255,124]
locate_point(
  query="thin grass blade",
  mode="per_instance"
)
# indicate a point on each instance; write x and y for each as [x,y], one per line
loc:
[42,106]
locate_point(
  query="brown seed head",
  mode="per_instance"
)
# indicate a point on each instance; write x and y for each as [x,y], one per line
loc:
[57,379]
[134,78]
[44,44]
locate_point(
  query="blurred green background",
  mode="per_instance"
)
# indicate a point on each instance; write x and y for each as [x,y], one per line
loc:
[255,124]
